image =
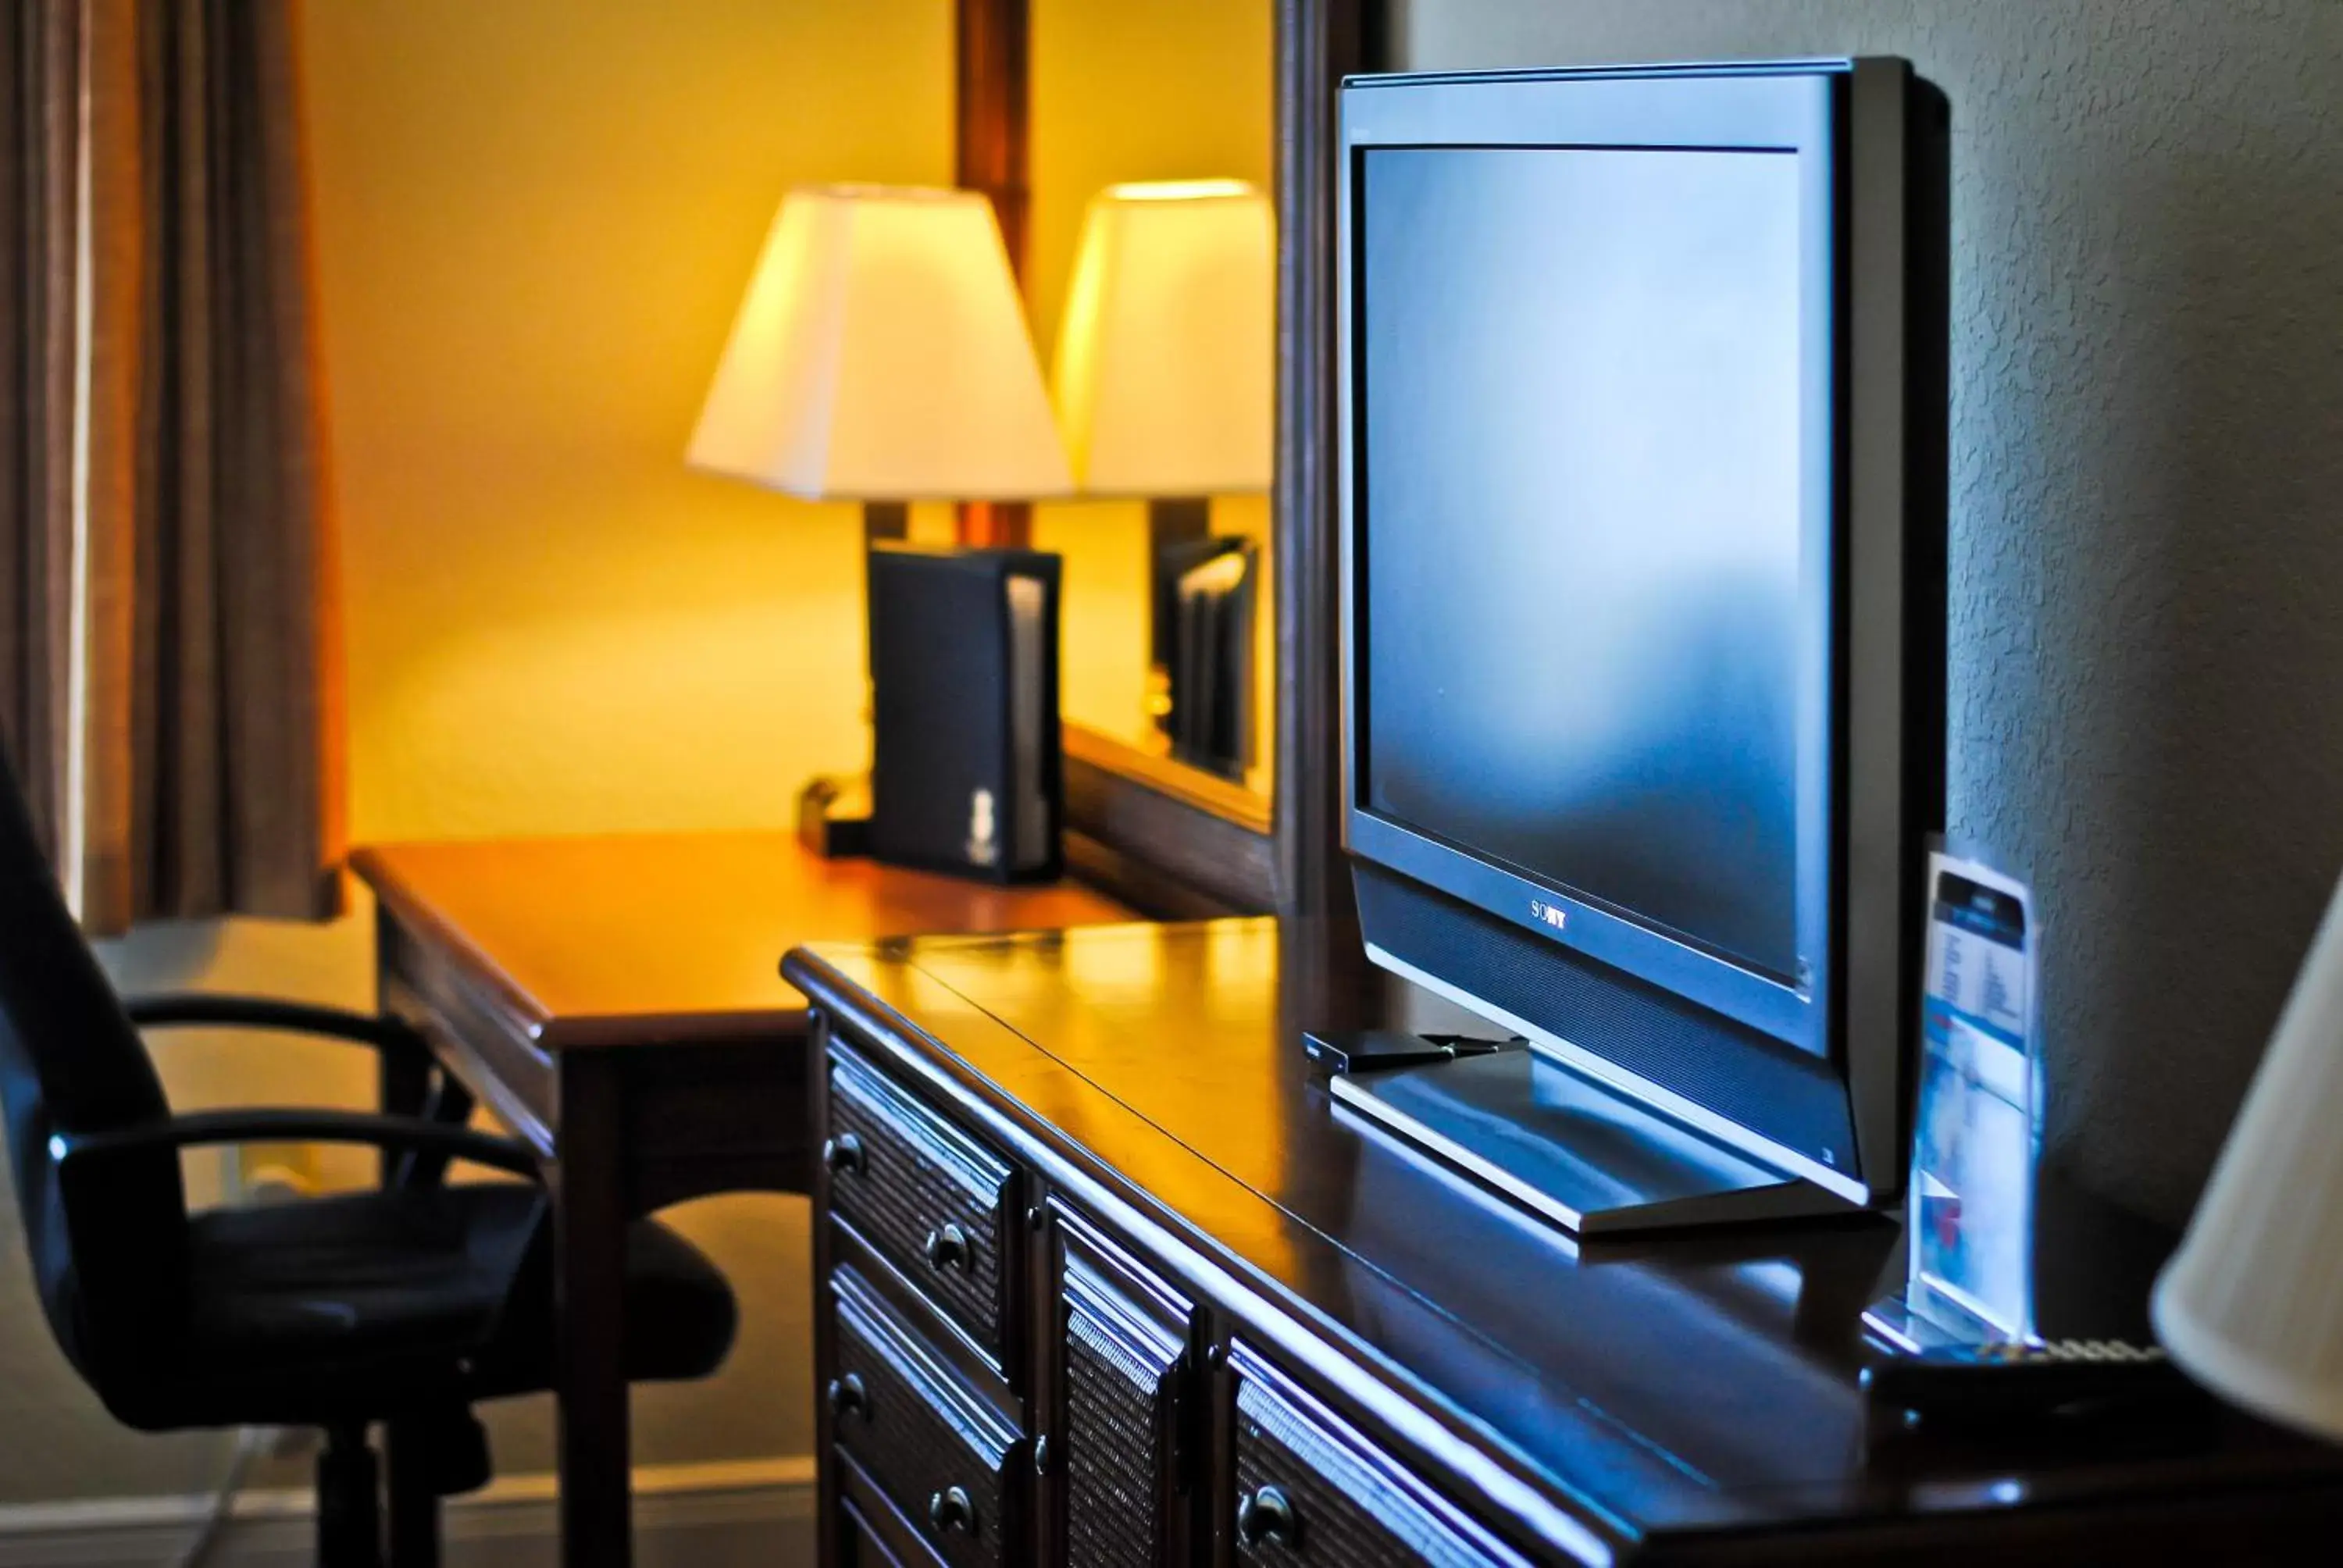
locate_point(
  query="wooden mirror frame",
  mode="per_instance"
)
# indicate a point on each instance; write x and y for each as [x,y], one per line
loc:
[1166,839]
[1319,41]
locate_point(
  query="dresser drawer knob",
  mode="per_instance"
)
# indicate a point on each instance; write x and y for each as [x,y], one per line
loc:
[1267,1519]
[842,1155]
[847,1397]
[948,1248]
[950,1511]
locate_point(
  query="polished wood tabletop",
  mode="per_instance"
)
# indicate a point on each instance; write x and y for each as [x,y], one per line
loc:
[633,938]
[616,1003]
[1680,1388]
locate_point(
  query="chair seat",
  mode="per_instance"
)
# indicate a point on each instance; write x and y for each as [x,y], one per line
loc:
[359,1306]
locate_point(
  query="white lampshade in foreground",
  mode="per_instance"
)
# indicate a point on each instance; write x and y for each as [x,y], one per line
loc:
[1164,376]
[882,354]
[2252,1303]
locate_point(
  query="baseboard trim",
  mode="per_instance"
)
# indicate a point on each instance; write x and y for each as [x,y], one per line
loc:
[747,1498]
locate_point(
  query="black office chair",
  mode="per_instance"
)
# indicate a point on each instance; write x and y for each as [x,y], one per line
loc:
[401,1306]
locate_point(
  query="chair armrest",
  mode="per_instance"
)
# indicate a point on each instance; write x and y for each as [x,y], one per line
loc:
[302,1125]
[389,1035]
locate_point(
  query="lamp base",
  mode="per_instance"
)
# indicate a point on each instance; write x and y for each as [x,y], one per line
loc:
[834,817]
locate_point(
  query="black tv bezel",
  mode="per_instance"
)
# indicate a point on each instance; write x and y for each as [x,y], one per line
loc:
[1886,748]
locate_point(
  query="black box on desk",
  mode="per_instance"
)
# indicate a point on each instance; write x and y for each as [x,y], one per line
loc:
[967,768]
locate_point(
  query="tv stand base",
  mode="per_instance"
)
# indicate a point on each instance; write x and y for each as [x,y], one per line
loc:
[1573,1151]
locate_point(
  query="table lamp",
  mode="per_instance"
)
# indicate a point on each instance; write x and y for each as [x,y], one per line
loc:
[881,356]
[1165,378]
[2252,1303]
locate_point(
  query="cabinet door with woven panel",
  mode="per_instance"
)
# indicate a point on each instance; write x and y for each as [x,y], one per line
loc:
[1311,1489]
[1125,1457]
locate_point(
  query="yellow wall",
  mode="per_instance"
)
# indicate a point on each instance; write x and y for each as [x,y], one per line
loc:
[1132,90]
[536,218]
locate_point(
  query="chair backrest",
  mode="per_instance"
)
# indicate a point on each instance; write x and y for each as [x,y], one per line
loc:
[108,1247]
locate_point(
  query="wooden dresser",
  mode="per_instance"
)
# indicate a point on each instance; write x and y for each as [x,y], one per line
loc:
[1105,1278]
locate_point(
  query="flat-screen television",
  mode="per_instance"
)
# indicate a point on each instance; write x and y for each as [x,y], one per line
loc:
[1642,492]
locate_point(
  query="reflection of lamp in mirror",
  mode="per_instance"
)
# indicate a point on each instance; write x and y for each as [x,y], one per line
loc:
[880,355]
[1163,380]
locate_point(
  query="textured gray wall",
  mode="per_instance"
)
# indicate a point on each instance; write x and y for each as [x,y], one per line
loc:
[2147,675]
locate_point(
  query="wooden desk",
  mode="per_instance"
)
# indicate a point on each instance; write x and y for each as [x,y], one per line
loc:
[616,1003]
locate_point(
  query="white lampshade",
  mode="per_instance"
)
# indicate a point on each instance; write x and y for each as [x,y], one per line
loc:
[1165,376]
[882,354]
[2252,1303]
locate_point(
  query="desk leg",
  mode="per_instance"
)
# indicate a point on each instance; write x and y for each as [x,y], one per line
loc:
[590,1259]
[403,1083]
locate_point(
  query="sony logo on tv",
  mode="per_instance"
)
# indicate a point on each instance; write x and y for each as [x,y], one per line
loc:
[1546,914]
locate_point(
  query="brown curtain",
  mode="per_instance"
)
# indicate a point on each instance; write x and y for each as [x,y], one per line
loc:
[209,743]
[40,62]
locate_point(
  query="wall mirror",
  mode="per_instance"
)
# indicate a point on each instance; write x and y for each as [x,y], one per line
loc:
[1150,275]
[1129,148]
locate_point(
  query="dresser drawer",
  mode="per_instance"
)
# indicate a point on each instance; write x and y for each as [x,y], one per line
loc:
[860,1547]
[927,1195]
[939,1453]
[1311,1489]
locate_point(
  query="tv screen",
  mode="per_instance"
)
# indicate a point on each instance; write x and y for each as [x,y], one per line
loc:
[1585,530]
